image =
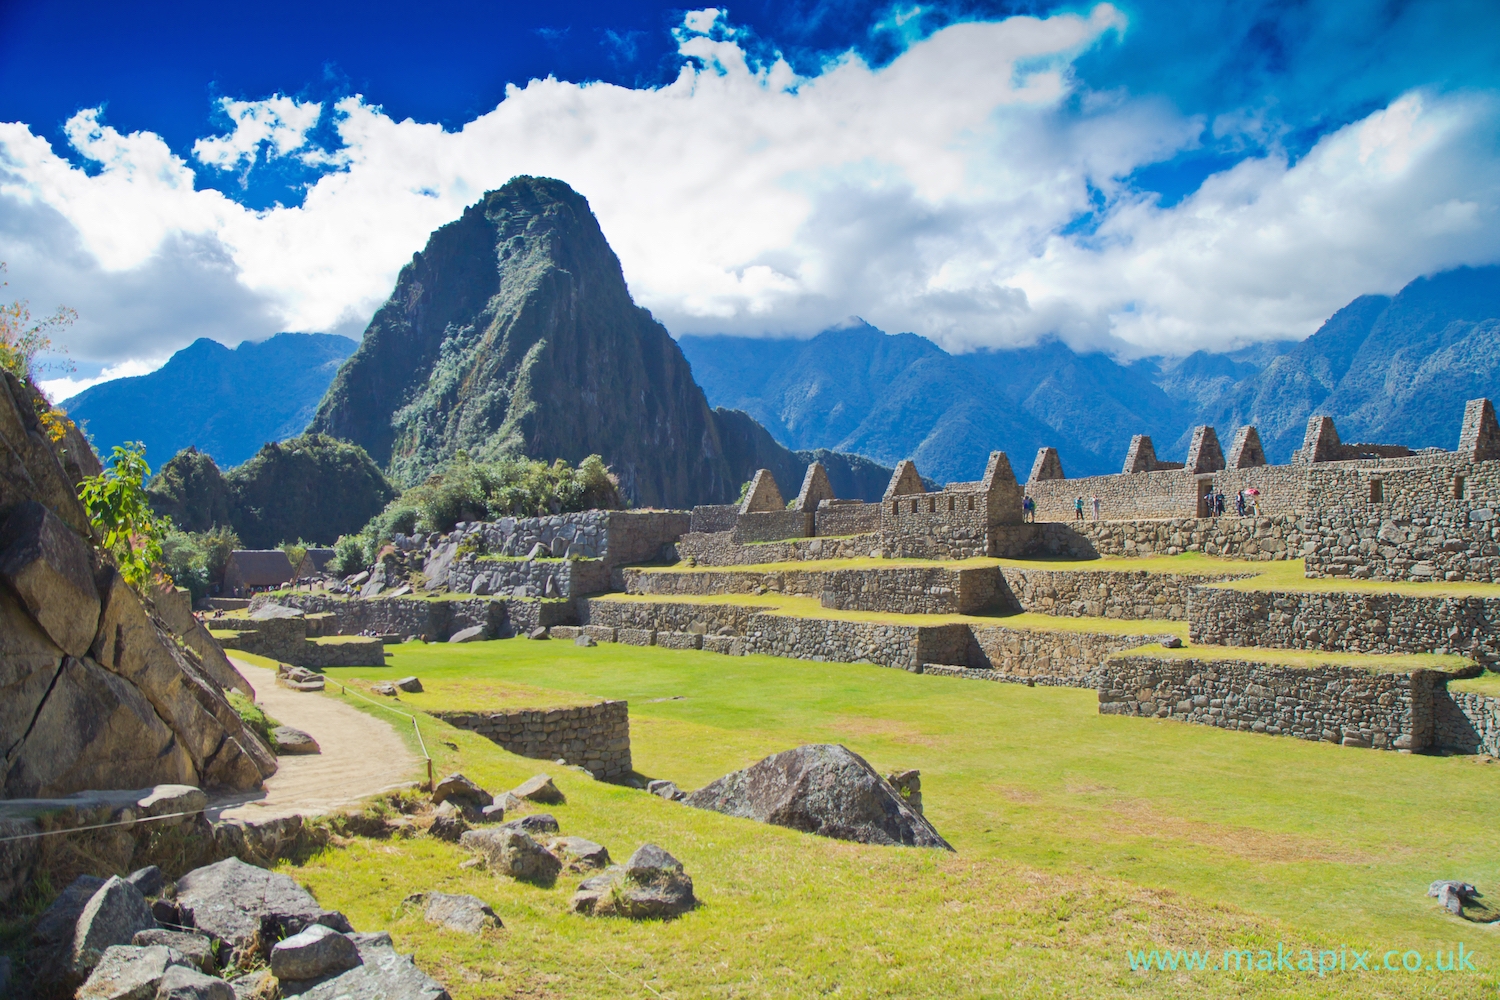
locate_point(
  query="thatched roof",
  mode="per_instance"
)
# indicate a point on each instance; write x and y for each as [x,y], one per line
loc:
[259,567]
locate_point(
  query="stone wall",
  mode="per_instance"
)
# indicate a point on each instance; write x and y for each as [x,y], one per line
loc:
[898,589]
[508,577]
[1348,705]
[435,619]
[1169,494]
[594,737]
[1347,621]
[668,616]
[945,525]
[1466,722]
[840,518]
[772,526]
[720,549]
[286,641]
[1039,656]
[1105,593]
[1428,518]
[713,518]
[1259,538]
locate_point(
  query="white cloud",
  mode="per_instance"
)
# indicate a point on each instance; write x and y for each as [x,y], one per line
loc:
[61,389]
[928,195]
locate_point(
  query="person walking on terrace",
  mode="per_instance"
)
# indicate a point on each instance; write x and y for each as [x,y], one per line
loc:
[1239,503]
[1095,501]
[1028,509]
[1078,508]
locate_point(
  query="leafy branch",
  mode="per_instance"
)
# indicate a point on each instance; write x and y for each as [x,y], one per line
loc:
[120,512]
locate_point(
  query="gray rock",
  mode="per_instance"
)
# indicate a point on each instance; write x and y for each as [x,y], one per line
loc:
[291,742]
[493,813]
[257,985]
[313,953]
[665,789]
[246,908]
[458,912]
[539,788]
[538,633]
[148,880]
[189,984]
[535,824]
[584,640]
[382,975]
[448,822]
[474,633]
[195,947]
[652,884]
[510,801]
[456,786]
[410,685]
[824,789]
[514,853]
[126,972]
[50,568]
[384,687]
[538,551]
[1453,895]
[579,853]
[271,612]
[112,916]
[167,913]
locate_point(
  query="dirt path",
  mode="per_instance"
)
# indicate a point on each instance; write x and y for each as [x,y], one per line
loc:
[362,755]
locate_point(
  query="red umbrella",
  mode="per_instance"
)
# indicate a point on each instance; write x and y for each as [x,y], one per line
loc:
[1253,491]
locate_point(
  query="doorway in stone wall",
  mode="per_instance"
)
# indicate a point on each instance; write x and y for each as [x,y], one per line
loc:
[1205,498]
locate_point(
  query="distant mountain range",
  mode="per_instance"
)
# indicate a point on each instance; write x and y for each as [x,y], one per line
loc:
[1389,369]
[226,403]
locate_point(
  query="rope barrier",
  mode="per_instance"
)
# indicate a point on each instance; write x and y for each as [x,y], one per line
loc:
[344,689]
[99,826]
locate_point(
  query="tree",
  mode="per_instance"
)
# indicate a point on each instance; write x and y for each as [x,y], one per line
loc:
[120,512]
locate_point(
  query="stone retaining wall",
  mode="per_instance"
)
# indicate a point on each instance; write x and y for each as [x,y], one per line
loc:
[1347,621]
[896,589]
[1038,656]
[488,575]
[1348,705]
[1260,538]
[1170,494]
[838,518]
[1467,722]
[668,616]
[720,549]
[595,737]
[435,619]
[772,526]
[1126,594]
[285,640]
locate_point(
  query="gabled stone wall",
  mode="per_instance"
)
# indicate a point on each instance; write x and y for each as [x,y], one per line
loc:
[594,737]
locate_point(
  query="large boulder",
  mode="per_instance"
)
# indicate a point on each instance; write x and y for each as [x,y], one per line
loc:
[180,983]
[173,605]
[126,972]
[196,948]
[539,788]
[51,956]
[248,908]
[313,953]
[381,975]
[456,911]
[514,853]
[820,788]
[50,568]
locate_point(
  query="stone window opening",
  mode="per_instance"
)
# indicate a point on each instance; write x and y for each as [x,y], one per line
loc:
[1377,491]
[895,506]
[1458,487]
[932,505]
[952,503]
[916,506]
[971,503]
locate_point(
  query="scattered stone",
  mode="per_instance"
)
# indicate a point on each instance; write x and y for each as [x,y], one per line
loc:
[167,913]
[269,612]
[456,786]
[474,633]
[382,975]
[386,688]
[579,853]
[908,785]
[313,953]
[448,823]
[824,789]
[148,880]
[493,813]
[459,912]
[1453,895]
[257,985]
[468,863]
[196,948]
[535,824]
[112,916]
[538,633]
[538,551]
[652,884]
[666,789]
[539,789]
[291,742]
[126,972]
[181,983]
[584,640]
[247,908]
[510,801]
[410,685]
[1172,642]
[514,853]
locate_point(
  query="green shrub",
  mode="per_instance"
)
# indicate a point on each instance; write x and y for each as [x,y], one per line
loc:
[348,555]
[254,718]
[196,559]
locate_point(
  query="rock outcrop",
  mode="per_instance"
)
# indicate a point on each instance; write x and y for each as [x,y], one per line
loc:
[96,690]
[820,788]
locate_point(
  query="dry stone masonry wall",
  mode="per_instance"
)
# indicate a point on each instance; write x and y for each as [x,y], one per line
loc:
[1104,593]
[594,737]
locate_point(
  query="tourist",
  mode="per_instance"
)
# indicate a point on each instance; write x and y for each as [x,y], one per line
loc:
[1239,503]
[1095,502]
[1078,508]
[1028,509]
[1218,503]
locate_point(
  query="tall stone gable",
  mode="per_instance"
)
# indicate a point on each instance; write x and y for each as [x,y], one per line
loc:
[1480,439]
[1142,455]
[905,481]
[815,489]
[1002,490]
[763,495]
[1245,451]
[1320,443]
[1048,465]
[1204,454]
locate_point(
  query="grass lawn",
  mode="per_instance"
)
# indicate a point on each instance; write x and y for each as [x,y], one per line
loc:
[1078,836]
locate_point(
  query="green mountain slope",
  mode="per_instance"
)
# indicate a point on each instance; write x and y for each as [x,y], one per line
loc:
[224,402]
[513,332]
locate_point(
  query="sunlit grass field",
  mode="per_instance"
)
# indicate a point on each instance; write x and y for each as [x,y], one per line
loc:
[1078,837]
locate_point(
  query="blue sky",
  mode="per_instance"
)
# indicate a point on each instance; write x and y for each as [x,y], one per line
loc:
[1088,155]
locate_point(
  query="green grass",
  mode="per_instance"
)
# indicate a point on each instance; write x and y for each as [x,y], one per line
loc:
[1078,836]
[1375,662]
[1486,683]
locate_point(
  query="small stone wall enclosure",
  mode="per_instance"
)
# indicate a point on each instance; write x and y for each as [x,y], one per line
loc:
[594,737]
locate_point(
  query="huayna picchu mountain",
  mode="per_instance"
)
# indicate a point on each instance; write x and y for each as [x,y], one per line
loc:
[513,333]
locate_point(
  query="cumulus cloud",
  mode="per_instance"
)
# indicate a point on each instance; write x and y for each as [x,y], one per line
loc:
[974,190]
